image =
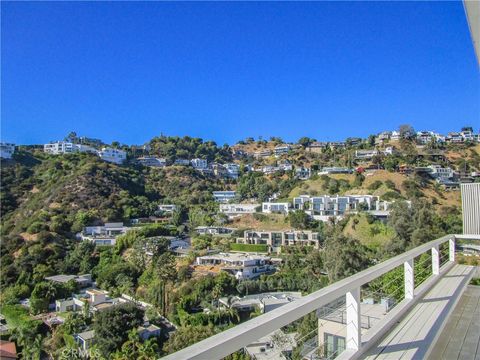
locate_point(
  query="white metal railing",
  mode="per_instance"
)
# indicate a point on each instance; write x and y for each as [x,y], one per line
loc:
[231,340]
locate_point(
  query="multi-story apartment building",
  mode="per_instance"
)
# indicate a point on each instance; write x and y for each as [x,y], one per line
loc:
[275,207]
[152,161]
[234,210]
[383,137]
[242,266]
[281,149]
[112,155]
[326,205]
[224,196]
[6,150]
[276,239]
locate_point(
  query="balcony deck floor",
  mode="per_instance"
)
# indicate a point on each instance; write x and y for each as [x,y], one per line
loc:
[412,337]
[460,339]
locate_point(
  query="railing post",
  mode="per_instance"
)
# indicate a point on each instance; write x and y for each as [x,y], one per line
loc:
[451,248]
[354,327]
[409,279]
[435,260]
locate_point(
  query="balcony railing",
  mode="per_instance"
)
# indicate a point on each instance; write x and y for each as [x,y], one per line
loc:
[231,340]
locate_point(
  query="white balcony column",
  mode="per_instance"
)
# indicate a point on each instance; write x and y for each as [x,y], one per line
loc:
[354,328]
[435,260]
[409,279]
[451,248]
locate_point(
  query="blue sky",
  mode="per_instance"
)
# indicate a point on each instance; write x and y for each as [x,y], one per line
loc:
[224,71]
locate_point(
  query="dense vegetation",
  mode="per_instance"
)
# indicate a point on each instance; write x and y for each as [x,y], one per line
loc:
[46,200]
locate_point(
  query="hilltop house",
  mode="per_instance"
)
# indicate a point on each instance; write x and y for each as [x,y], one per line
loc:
[281,150]
[152,161]
[112,155]
[65,147]
[6,150]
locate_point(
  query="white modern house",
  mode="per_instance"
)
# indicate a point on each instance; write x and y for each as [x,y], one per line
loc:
[439,172]
[275,239]
[167,208]
[234,210]
[275,207]
[104,234]
[199,164]
[152,161]
[242,266]
[213,230]
[224,196]
[335,170]
[65,147]
[325,206]
[6,150]
[115,156]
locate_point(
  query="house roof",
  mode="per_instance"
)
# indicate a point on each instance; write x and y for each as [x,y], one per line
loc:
[87,335]
[8,350]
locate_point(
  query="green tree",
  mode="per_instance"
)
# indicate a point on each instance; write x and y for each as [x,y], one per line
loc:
[113,324]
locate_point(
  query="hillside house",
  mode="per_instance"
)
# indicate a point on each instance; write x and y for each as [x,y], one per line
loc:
[275,207]
[6,150]
[112,155]
[234,210]
[224,196]
[242,266]
[276,239]
[152,161]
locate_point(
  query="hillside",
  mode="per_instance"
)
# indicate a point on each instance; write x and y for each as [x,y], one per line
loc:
[63,193]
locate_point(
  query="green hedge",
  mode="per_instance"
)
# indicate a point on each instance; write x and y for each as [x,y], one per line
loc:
[249,247]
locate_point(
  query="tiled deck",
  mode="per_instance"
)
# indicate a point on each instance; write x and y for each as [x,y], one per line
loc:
[413,336]
[460,339]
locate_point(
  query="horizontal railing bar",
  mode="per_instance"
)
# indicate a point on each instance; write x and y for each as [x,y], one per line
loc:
[231,340]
